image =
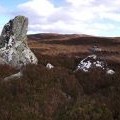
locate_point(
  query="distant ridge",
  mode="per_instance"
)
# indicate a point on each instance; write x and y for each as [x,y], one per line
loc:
[56,36]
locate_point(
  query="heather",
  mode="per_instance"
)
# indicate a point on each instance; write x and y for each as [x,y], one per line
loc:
[60,93]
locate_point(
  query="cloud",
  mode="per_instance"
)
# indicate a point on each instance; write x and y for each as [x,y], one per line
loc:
[41,8]
[78,3]
[74,16]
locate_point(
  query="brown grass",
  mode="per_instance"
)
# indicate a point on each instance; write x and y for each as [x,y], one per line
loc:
[57,44]
[59,93]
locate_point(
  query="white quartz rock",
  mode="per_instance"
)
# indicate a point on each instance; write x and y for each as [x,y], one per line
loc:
[49,66]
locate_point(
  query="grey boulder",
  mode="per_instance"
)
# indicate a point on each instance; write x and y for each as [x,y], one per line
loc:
[14,50]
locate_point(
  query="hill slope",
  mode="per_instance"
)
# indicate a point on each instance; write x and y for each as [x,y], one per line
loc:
[60,93]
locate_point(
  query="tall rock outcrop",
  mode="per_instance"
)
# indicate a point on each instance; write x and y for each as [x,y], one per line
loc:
[13,44]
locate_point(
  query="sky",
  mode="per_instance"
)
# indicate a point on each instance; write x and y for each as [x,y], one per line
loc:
[92,17]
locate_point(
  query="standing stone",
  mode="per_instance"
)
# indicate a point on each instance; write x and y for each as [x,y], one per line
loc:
[13,43]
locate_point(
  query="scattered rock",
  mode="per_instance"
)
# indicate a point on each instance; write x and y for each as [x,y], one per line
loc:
[110,72]
[13,43]
[95,49]
[93,61]
[14,76]
[90,62]
[49,66]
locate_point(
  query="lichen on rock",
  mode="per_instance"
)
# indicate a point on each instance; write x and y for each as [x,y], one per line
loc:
[93,62]
[13,43]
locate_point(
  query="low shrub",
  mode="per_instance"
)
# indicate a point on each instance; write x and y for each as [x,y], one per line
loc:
[59,93]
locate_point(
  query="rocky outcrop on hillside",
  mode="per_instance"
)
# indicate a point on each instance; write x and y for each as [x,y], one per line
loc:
[14,50]
[93,61]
